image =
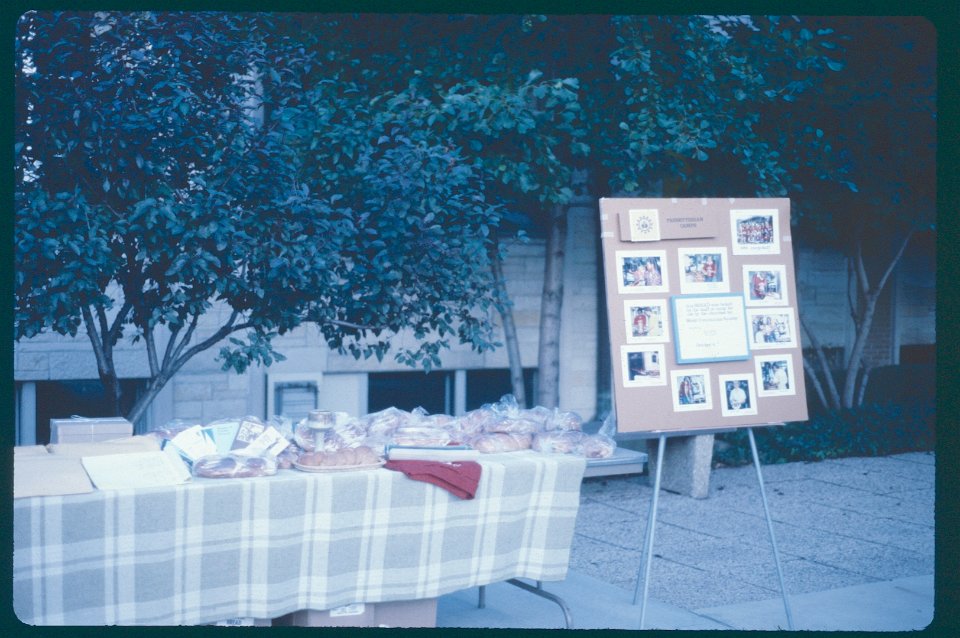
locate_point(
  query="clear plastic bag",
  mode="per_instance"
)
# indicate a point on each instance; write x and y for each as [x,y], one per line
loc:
[233,466]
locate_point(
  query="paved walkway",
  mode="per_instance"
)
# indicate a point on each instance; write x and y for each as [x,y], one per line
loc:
[856,541]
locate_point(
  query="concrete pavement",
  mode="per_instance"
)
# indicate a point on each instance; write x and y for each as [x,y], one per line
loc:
[856,541]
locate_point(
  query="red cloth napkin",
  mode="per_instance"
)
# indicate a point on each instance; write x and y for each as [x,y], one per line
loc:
[458,477]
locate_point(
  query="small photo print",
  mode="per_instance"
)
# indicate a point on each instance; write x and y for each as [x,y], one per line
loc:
[755,232]
[771,328]
[646,320]
[738,395]
[703,270]
[765,285]
[691,390]
[775,375]
[642,271]
[642,366]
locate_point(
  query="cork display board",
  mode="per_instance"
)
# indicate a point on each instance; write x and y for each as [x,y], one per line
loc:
[703,317]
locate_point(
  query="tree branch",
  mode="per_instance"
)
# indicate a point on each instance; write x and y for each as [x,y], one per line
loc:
[151,350]
[824,365]
[95,339]
[812,374]
[896,260]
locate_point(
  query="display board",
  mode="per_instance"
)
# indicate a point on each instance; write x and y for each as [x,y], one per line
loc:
[702,307]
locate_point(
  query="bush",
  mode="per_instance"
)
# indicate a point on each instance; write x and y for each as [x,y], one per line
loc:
[874,429]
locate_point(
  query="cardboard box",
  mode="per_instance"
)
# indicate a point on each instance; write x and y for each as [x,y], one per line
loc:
[406,613]
[84,430]
[399,613]
[355,615]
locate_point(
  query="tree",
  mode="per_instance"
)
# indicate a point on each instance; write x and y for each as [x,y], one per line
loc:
[504,103]
[881,116]
[171,165]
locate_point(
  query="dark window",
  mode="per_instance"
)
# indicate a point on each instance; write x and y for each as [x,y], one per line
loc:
[487,386]
[86,397]
[432,391]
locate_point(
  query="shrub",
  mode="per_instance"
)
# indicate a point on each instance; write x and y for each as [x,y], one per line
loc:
[874,429]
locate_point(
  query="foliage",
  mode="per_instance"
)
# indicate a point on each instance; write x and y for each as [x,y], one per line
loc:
[873,429]
[174,164]
[697,88]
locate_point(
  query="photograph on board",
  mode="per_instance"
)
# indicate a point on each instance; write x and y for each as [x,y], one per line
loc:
[642,271]
[691,389]
[775,375]
[755,232]
[646,320]
[642,365]
[770,329]
[765,285]
[703,270]
[738,395]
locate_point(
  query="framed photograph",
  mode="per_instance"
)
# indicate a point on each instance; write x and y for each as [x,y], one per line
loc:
[691,389]
[710,328]
[775,375]
[642,271]
[738,395]
[646,320]
[642,365]
[755,232]
[765,285]
[772,328]
[703,270]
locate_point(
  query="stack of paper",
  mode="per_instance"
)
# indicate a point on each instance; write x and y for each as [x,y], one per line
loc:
[446,453]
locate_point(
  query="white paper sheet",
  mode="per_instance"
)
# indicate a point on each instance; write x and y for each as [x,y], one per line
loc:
[140,469]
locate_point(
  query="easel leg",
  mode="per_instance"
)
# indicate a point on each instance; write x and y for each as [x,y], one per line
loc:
[773,540]
[647,558]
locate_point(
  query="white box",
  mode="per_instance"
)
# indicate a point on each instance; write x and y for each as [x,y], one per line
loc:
[84,430]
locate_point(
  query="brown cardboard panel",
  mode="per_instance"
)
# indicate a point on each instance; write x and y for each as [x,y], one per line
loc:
[48,475]
[732,246]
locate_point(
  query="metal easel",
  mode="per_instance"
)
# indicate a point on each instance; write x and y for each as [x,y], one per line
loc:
[643,573]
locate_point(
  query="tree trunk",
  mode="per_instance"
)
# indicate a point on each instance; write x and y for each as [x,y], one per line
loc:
[505,308]
[548,360]
[103,352]
[143,402]
[864,315]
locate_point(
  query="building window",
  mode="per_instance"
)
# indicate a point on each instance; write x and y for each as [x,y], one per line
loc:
[488,386]
[438,392]
[432,391]
[292,395]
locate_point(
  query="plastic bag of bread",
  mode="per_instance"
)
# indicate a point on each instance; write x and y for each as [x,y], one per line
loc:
[494,442]
[344,457]
[597,446]
[384,422]
[514,425]
[539,415]
[558,442]
[562,420]
[233,466]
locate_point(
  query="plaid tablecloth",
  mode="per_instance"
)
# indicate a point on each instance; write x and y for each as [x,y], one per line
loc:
[262,547]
